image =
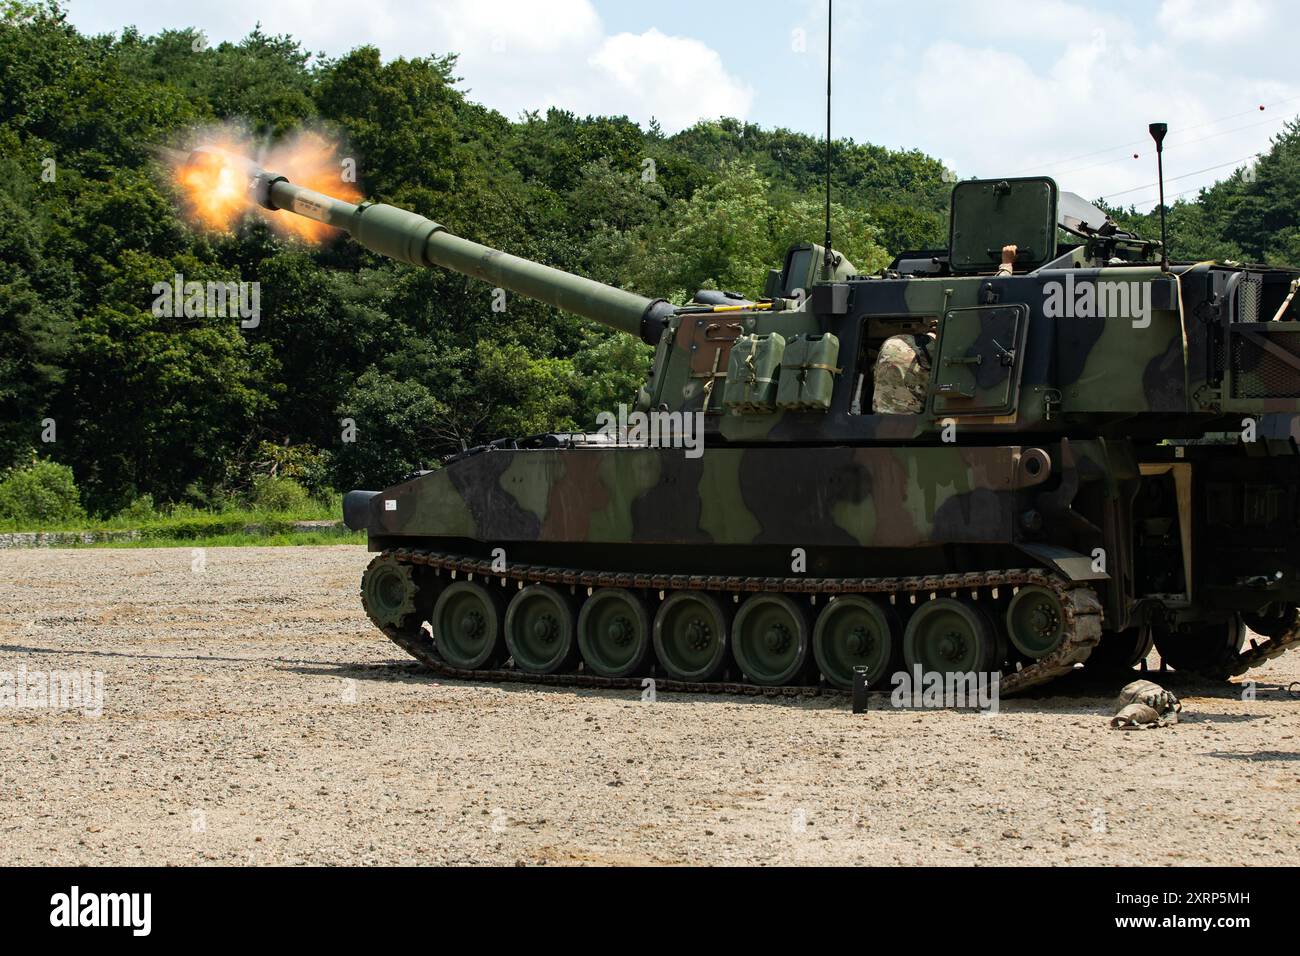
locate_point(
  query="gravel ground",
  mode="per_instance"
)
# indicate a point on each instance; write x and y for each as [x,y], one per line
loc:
[252,715]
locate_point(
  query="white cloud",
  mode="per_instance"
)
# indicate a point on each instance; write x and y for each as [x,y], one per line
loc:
[1218,21]
[514,55]
[564,58]
[1082,117]
[1043,22]
[513,27]
[676,79]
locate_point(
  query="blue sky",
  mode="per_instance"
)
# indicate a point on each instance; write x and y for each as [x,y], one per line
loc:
[1007,88]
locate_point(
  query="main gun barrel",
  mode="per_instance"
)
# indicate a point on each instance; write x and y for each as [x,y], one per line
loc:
[409,237]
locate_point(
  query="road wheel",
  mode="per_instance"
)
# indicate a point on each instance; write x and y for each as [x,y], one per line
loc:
[948,636]
[541,630]
[467,626]
[854,632]
[614,633]
[770,638]
[1120,651]
[1207,649]
[690,636]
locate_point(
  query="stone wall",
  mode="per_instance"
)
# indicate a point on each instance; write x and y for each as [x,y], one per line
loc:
[72,539]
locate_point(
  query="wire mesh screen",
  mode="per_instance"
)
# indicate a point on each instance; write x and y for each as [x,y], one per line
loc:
[1263,372]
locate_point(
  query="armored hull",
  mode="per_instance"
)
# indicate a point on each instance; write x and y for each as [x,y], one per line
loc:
[783,570]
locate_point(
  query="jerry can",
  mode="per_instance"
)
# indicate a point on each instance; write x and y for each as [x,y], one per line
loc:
[808,373]
[752,372]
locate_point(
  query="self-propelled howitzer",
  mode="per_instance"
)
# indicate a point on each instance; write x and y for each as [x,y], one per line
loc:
[1102,455]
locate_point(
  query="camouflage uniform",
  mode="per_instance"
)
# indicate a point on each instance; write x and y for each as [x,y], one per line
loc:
[902,375]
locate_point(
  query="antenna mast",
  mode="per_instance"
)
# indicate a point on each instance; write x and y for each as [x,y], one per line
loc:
[828,261]
[1158,131]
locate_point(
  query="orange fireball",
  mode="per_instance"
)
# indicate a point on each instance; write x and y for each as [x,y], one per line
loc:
[215,190]
[215,182]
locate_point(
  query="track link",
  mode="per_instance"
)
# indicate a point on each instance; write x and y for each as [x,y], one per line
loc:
[1257,652]
[1082,608]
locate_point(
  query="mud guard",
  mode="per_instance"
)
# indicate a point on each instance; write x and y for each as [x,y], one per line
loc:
[1075,566]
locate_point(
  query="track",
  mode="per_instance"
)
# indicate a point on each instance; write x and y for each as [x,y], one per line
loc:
[1257,652]
[1082,625]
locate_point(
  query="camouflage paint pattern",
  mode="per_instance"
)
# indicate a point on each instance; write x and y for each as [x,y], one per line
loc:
[869,497]
[1121,367]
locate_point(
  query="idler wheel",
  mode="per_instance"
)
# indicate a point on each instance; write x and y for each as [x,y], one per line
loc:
[614,633]
[467,626]
[690,636]
[854,632]
[770,639]
[540,630]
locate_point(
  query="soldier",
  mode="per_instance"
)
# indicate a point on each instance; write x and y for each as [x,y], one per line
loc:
[902,373]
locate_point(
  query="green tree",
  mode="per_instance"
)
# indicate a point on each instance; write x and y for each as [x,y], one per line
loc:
[159,403]
[40,491]
[37,294]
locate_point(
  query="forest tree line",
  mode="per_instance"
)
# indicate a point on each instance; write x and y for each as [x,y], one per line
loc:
[195,410]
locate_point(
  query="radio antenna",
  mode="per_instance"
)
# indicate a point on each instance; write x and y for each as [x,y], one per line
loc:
[828,260]
[1158,131]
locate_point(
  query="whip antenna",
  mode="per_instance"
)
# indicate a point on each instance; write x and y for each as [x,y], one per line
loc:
[1158,131]
[828,260]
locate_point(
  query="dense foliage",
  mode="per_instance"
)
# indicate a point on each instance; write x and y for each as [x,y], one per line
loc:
[39,492]
[413,364]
